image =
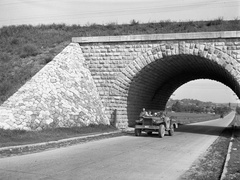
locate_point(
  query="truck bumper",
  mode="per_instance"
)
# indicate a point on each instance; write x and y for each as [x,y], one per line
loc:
[146,127]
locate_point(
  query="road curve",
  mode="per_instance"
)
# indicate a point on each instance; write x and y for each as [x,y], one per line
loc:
[125,157]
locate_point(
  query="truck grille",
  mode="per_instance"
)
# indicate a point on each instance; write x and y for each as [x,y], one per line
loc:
[147,121]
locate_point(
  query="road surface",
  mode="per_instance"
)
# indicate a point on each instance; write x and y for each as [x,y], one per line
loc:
[125,157]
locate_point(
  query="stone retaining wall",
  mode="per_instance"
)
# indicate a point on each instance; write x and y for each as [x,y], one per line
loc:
[62,94]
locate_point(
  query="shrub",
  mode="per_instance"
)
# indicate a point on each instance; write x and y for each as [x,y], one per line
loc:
[46,59]
[215,22]
[15,41]
[111,26]
[5,57]
[4,87]
[29,50]
[134,22]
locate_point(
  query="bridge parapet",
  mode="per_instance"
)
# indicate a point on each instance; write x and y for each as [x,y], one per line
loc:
[158,37]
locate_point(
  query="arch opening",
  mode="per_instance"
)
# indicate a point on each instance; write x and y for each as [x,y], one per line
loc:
[153,85]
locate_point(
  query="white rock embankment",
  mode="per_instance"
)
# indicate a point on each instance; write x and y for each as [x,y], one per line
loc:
[62,94]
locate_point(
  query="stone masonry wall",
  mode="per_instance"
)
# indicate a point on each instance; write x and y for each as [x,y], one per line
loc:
[62,94]
[113,60]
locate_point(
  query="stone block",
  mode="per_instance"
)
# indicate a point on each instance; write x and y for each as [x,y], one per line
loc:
[219,43]
[195,52]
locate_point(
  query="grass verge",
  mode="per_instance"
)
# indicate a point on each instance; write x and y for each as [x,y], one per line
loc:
[21,137]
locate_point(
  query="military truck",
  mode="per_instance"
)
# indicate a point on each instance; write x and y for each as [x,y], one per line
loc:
[155,123]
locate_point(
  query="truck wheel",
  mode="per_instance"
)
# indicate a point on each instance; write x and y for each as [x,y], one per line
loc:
[171,131]
[161,131]
[138,132]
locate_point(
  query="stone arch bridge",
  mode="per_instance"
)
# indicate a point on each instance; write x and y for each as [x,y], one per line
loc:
[93,76]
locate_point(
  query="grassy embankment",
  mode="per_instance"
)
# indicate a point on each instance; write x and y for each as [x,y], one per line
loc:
[25,49]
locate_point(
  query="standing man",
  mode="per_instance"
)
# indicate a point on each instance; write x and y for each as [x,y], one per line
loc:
[166,120]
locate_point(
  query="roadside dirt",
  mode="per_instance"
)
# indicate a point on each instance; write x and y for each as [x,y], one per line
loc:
[233,166]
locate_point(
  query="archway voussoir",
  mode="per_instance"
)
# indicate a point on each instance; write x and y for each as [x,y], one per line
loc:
[216,51]
[211,49]
[148,60]
[128,76]
[220,62]
[233,61]
[201,47]
[124,82]
[123,85]
[234,72]
[143,60]
[186,51]
[149,53]
[203,53]
[209,56]
[220,54]
[191,51]
[195,52]
[173,51]
[163,47]
[214,57]
[151,58]
[138,65]
[155,56]
[229,68]
[159,54]
[124,71]
[134,68]
[168,52]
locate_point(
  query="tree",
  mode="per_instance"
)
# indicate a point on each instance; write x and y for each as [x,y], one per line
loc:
[177,107]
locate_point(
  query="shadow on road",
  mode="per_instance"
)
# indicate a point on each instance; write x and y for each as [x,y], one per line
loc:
[201,129]
[193,129]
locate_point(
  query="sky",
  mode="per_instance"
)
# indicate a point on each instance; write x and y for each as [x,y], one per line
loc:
[206,90]
[83,12]
[119,11]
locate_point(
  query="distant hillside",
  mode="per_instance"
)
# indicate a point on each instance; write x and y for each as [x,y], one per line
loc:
[191,102]
[25,49]
[193,105]
[199,103]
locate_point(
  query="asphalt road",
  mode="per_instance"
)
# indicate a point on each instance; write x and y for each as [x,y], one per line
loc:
[124,157]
